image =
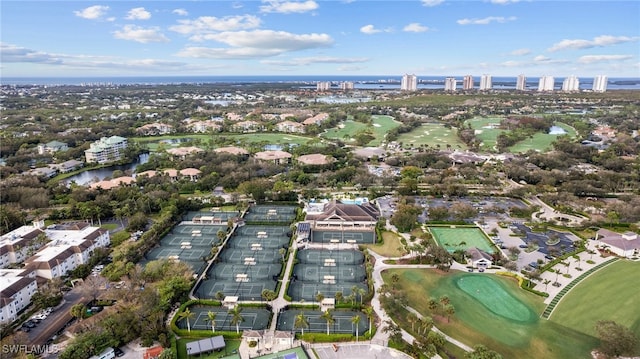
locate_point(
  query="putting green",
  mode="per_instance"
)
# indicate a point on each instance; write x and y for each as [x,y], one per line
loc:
[495,298]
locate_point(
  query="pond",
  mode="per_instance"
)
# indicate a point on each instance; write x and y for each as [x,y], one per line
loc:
[87,177]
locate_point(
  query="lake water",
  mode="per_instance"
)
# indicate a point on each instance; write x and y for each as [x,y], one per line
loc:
[90,176]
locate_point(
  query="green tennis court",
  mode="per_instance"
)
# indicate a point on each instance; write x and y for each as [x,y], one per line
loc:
[177,253]
[275,214]
[300,290]
[454,238]
[245,273]
[257,244]
[253,318]
[237,255]
[343,237]
[171,240]
[495,298]
[329,257]
[343,321]
[243,290]
[330,275]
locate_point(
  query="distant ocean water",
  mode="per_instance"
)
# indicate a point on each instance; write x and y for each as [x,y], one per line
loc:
[360,82]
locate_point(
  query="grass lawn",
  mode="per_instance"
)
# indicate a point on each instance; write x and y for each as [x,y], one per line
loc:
[270,138]
[381,125]
[390,247]
[232,345]
[203,140]
[493,311]
[109,226]
[432,134]
[345,131]
[462,238]
[541,142]
[607,294]
[486,131]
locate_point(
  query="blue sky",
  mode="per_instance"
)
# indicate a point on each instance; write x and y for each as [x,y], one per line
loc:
[311,37]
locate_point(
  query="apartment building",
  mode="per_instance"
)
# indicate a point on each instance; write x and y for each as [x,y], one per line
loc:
[409,83]
[600,83]
[17,286]
[467,82]
[485,82]
[107,149]
[546,83]
[571,84]
[521,83]
[450,84]
[17,245]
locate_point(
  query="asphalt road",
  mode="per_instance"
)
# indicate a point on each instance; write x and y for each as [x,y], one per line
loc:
[58,319]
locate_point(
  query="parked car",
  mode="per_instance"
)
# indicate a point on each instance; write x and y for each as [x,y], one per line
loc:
[118,351]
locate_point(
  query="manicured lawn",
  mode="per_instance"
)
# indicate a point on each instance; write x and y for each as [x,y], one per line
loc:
[391,246]
[608,294]
[486,131]
[461,238]
[270,138]
[381,125]
[432,134]
[204,140]
[345,131]
[231,346]
[541,142]
[494,312]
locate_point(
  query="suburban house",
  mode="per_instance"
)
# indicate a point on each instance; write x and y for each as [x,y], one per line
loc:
[316,120]
[247,126]
[623,244]
[46,172]
[205,126]
[232,150]
[67,166]
[277,157]
[106,149]
[52,147]
[17,286]
[113,183]
[479,258]
[70,246]
[290,127]
[154,129]
[316,159]
[183,152]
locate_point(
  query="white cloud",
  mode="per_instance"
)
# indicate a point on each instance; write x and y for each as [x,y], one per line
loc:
[303,61]
[369,29]
[257,43]
[140,34]
[504,2]
[431,3]
[207,24]
[288,7]
[11,53]
[486,20]
[511,64]
[180,12]
[138,13]
[415,27]
[92,12]
[520,52]
[590,59]
[599,41]
[541,58]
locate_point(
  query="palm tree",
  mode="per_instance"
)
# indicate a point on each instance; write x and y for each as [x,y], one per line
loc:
[328,317]
[368,311]
[282,252]
[433,304]
[546,283]
[426,324]
[450,310]
[339,297]
[211,318]
[301,322]
[187,314]
[412,319]
[444,300]
[78,310]
[355,320]
[319,298]
[354,294]
[236,317]
[361,292]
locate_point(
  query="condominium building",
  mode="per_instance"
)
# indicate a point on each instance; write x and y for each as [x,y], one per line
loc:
[485,82]
[521,82]
[450,84]
[347,85]
[467,82]
[107,149]
[546,83]
[70,246]
[600,83]
[323,86]
[17,245]
[571,84]
[409,83]
[17,286]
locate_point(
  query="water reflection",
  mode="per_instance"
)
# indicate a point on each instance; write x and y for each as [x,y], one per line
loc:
[90,176]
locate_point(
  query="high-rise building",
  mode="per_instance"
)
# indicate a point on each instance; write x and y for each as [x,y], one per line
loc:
[485,82]
[546,83]
[600,83]
[450,84]
[571,84]
[347,85]
[521,83]
[323,86]
[409,83]
[467,82]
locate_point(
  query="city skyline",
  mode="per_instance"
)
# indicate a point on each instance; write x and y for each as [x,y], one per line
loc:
[271,38]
